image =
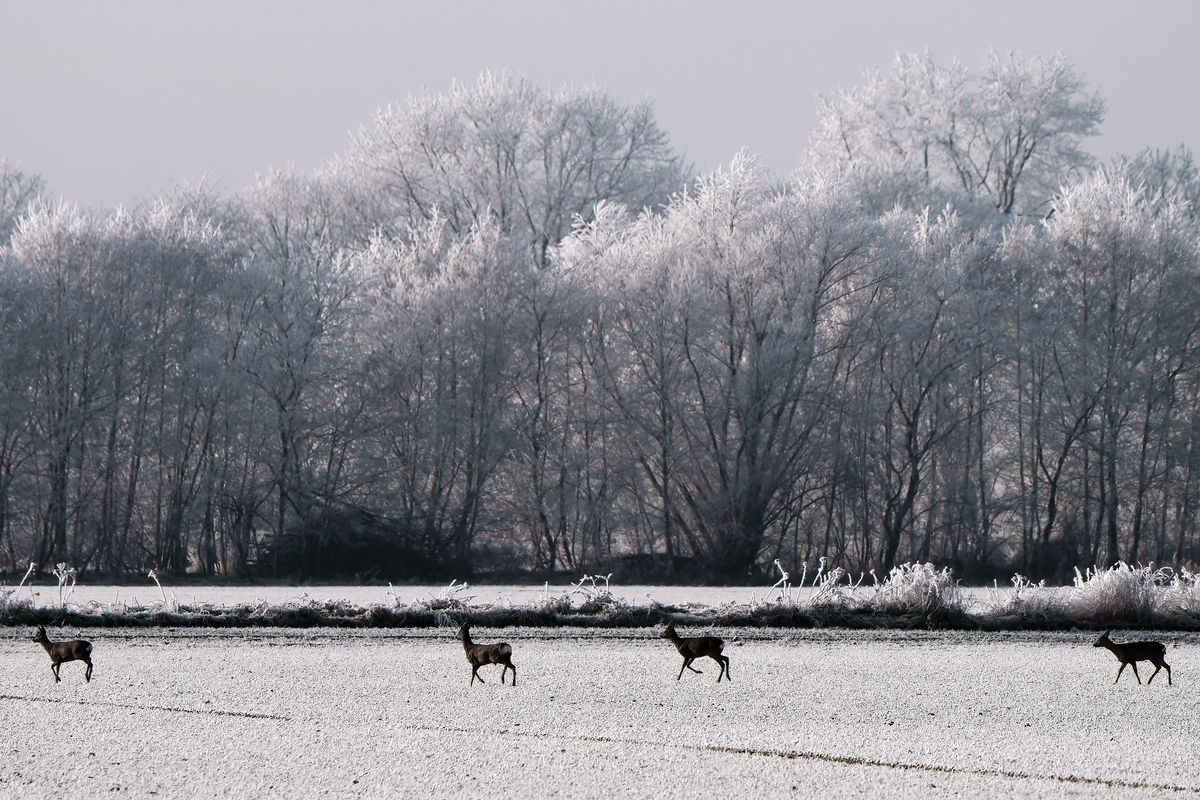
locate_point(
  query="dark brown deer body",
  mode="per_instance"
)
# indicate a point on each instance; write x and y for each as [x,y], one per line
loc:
[481,654]
[1129,653]
[693,647]
[72,650]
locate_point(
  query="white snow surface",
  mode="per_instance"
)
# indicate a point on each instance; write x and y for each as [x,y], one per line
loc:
[389,713]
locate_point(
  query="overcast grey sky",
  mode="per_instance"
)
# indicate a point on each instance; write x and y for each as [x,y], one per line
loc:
[113,102]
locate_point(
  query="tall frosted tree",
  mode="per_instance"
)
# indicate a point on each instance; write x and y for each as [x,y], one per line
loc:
[443,374]
[1005,137]
[1122,272]
[507,150]
[301,358]
[18,191]
[720,345]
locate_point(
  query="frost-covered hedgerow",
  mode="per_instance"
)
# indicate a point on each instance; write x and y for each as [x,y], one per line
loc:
[916,595]
[1126,593]
[1121,595]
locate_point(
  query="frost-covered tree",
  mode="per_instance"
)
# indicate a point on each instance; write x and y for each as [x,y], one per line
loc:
[506,149]
[555,483]
[302,356]
[921,134]
[640,318]
[19,299]
[1165,177]
[719,346]
[18,191]
[443,376]
[919,348]
[1107,342]
[63,251]
[118,405]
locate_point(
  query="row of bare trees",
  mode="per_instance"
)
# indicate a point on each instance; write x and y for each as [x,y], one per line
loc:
[506,330]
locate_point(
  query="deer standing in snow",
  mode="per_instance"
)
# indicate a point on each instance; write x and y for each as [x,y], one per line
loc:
[480,654]
[1129,653]
[72,650]
[693,647]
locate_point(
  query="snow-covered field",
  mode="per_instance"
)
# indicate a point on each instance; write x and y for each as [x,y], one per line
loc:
[389,713]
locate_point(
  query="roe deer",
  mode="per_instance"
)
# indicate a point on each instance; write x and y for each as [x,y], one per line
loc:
[480,654]
[693,647]
[1129,653]
[72,650]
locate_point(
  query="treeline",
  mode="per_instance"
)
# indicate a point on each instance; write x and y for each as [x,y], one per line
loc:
[508,330]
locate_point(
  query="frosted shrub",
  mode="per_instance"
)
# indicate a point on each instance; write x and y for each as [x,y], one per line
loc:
[1180,597]
[558,603]
[833,589]
[452,598]
[920,589]
[1122,592]
[169,604]
[66,582]
[28,573]
[591,590]
[1029,599]
[781,590]
[595,597]
[9,602]
[590,595]
[448,606]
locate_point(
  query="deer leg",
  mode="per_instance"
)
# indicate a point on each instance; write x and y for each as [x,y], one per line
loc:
[475,675]
[1122,669]
[54,668]
[1168,666]
[1135,673]
[513,667]
[87,676]
[680,675]
[720,664]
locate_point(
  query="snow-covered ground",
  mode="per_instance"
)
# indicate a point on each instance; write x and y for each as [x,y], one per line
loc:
[375,713]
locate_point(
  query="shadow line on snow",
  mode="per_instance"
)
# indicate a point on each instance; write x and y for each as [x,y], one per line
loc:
[211,712]
[829,758]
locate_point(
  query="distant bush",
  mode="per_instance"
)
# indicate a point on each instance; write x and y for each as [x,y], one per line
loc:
[1181,597]
[12,609]
[1034,603]
[1125,594]
[920,590]
[1122,593]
